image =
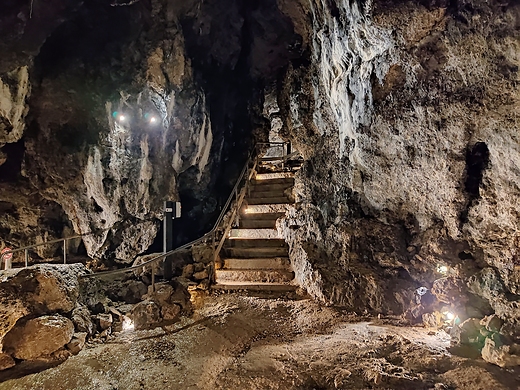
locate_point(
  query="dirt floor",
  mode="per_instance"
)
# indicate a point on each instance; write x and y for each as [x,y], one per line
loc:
[238,342]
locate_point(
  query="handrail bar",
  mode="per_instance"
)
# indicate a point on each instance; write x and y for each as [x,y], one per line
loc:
[173,251]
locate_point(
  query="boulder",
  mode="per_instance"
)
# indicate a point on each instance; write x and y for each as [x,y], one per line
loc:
[38,337]
[470,332]
[104,320]
[501,355]
[170,312]
[37,290]
[81,319]
[202,253]
[492,323]
[188,271]
[77,343]
[145,314]
[432,320]
[6,361]
[201,275]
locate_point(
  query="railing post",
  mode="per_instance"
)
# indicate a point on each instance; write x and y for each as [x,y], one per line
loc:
[64,251]
[26,258]
[153,277]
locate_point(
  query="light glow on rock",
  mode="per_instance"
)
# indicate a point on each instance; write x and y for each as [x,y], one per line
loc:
[128,324]
[122,118]
[442,269]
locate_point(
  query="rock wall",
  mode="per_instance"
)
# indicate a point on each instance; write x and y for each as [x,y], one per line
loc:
[407,117]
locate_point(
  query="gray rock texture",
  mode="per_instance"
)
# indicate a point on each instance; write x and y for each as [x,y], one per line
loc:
[407,118]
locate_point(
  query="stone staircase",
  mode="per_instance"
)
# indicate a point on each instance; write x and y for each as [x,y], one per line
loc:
[254,257]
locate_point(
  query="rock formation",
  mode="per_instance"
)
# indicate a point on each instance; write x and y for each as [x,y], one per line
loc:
[406,114]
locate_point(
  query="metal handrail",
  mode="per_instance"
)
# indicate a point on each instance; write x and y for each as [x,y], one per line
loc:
[64,240]
[211,234]
[153,261]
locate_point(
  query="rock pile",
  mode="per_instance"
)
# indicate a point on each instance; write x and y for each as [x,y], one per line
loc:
[38,313]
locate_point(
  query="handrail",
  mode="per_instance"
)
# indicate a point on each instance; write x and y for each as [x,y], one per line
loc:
[64,240]
[212,232]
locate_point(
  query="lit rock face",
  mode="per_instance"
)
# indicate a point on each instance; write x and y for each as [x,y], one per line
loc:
[108,174]
[408,120]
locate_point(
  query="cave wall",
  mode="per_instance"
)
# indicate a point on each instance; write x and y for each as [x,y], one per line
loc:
[407,117]
[69,70]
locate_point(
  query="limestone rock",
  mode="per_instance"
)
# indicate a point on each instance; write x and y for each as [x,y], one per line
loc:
[104,320]
[81,319]
[38,337]
[202,254]
[470,333]
[492,323]
[145,314]
[77,343]
[433,320]
[501,355]
[6,361]
[170,311]
[201,275]
[188,271]
[37,290]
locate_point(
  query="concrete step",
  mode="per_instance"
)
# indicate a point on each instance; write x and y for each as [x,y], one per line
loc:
[281,287]
[257,243]
[254,233]
[268,263]
[274,200]
[253,276]
[256,253]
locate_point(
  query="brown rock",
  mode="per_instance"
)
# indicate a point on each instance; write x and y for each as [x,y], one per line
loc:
[188,270]
[104,321]
[39,337]
[145,313]
[77,343]
[201,275]
[432,320]
[202,254]
[37,290]
[170,312]
[81,319]
[501,355]
[492,323]
[6,361]
[470,332]
[199,267]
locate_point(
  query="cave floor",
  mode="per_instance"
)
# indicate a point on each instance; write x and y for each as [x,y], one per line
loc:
[238,342]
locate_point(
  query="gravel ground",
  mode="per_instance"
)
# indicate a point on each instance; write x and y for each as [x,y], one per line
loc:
[237,342]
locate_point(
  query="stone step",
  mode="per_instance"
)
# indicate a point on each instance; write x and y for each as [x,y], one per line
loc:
[270,194]
[276,181]
[253,276]
[254,233]
[257,243]
[262,216]
[257,224]
[273,175]
[256,253]
[265,208]
[268,186]
[282,287]
[274,200]
[267,263]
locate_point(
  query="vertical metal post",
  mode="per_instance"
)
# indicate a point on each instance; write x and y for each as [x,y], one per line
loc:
[26,258]
[168,238]
[153,277]
[65,251]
